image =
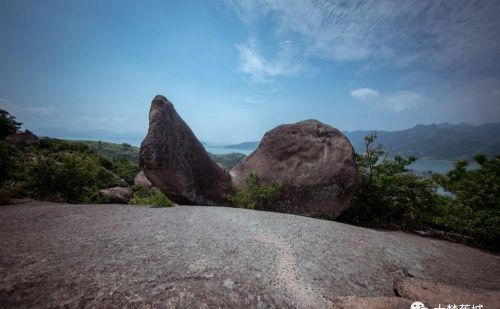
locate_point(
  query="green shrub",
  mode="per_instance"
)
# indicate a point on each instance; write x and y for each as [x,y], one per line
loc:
[11,165]
[256,195]
[67,176]
[150,197]
[8,190]
[473,209]
[125,169]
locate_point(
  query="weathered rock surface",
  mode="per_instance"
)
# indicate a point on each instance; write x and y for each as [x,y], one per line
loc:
[108,256]
[433,294]
[380,302]
[120,194]
[175,161]
[312,161]
[141,180]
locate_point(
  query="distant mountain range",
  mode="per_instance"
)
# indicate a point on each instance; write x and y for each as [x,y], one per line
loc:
[436,141]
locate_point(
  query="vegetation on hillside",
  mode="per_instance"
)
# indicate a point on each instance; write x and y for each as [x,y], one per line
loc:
[113,151]
[57,170]
[392,198]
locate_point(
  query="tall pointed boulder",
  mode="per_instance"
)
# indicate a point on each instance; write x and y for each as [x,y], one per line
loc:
[175,161]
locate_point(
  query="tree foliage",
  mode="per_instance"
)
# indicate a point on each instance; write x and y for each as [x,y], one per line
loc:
[256,195]
[388,195]
[473,208]
[8,124]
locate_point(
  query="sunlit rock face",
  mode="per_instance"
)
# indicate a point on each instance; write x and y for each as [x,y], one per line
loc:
[175,161]
[313,162]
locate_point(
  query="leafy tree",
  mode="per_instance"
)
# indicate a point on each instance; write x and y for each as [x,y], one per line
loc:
[473,208]
[388,195]
[8,124]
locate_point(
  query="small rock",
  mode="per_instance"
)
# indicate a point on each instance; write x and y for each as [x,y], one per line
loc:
[228,284]
[141,180]
[120,194]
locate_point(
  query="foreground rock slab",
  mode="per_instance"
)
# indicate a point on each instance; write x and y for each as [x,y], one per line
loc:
[433,294]
[381,302]
[175,161]
[58,255]
[313,162]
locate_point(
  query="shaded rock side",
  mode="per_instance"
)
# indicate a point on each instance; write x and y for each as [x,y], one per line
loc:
[175,161]
[312,161]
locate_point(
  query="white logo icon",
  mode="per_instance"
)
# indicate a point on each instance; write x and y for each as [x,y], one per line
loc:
[418,305]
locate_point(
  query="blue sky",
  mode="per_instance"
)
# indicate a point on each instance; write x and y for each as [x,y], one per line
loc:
[235,69]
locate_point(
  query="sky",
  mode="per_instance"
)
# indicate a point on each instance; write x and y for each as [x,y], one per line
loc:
[236,69]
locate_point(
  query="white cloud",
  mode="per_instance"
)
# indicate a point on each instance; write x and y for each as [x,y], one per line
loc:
[260,70]
[364,94]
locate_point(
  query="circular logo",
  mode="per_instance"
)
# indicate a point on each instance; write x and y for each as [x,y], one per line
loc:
[418,305]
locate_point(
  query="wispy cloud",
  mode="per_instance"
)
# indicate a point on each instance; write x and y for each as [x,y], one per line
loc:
[402,100]
[47,111]
[396,102]
[364,94]
[461,34]
[260,69]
